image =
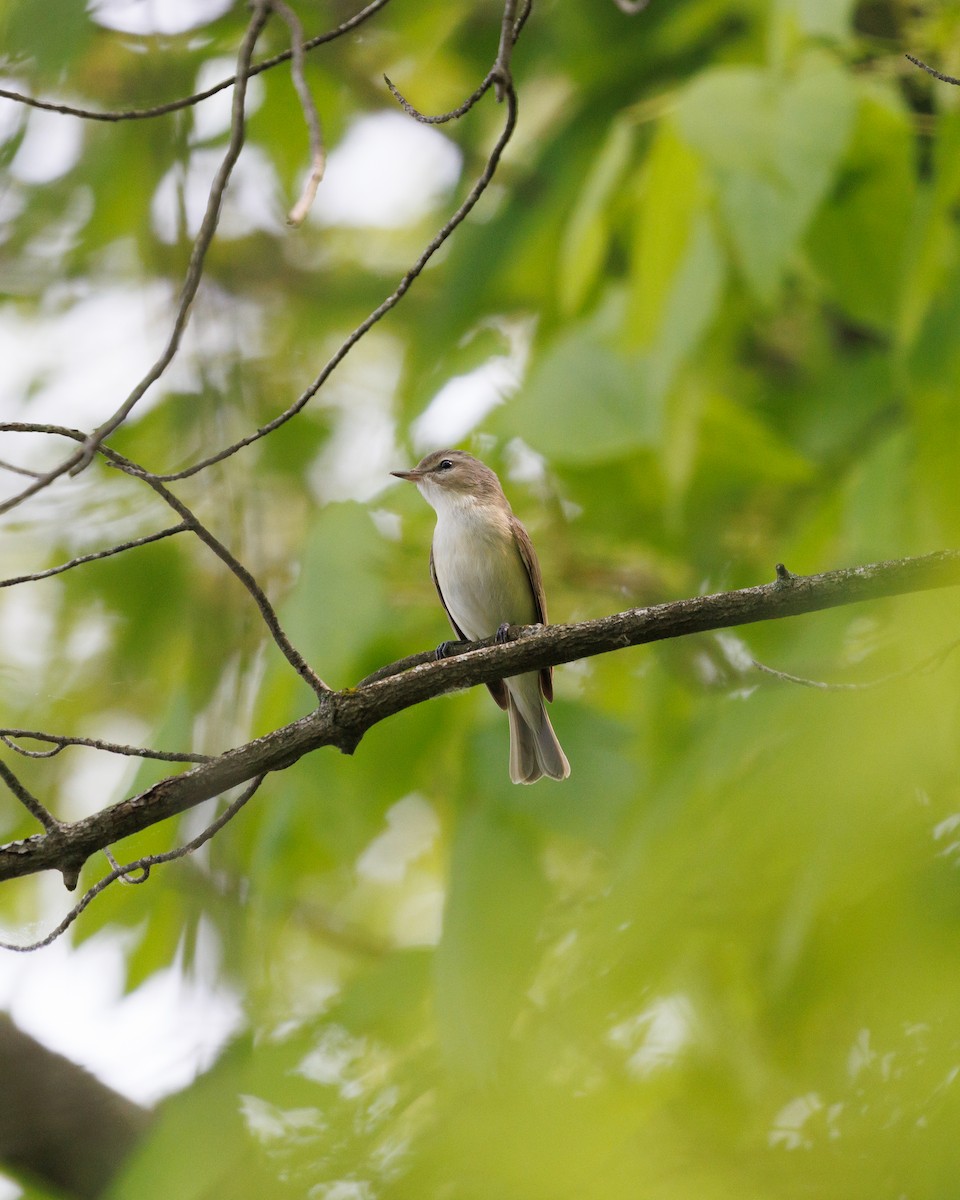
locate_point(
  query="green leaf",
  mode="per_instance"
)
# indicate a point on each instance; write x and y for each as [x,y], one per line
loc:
[692,304]
[736,442]
[337,601]
[587,236]
[672,201]
[52,34]
[932,256]
[489,929]
[586,399]
[816,18]
[857,242]
[773,146]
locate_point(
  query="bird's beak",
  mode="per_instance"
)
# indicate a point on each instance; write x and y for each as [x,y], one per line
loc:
[413,475]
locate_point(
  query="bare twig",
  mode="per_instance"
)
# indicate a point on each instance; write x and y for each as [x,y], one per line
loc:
[79,459]
[441,118]
[479,187]
[193,523]
[342,718]
[499,74]
[930,71]
[60,742]
[923,667]
[318,156]
[98,554]
[196,526]
[126,876]
[159,110]
[503,79]
[15,470]
[521,20]
[413,660]
[29,802]
[144,865]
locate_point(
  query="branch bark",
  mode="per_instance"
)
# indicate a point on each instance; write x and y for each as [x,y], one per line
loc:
[59,1124]
[342,718]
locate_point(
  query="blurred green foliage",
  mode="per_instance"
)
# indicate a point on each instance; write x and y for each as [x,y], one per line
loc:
[720,960]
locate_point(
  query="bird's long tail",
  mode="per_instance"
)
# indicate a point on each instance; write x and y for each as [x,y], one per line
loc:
[534,749]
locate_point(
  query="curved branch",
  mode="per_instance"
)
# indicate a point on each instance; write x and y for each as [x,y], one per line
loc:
[917,62]
[81,559]
[318,155]
[59,743]
[342,718]
[208,226]
[159,110]
[440,118]
[189,523]
[144,865]
[480,186]
[196,526]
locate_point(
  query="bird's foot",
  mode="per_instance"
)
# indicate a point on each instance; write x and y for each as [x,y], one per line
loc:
[445,649]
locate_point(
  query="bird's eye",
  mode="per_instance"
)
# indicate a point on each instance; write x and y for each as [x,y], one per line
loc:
[444,465]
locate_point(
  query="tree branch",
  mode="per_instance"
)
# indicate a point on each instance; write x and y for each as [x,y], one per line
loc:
[58,1123]
[208,226]
[189,523]
[134,872]
[318,156]
[499,74]
[342,718]
[931,71]
[133,544]
[159,110]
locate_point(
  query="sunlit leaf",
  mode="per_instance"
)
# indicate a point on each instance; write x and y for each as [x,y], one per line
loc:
[773,146]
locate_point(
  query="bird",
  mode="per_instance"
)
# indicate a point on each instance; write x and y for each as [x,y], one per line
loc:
[487,576]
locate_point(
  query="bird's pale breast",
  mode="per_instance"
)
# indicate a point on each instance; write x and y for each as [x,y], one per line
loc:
[480,572]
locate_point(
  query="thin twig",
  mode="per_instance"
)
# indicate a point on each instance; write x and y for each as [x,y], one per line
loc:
[413,660]
[441,118]
[522,18]
[81,457]
[925,665]
[159,110]
[15,470]
[318,156]
[60,742]
[499,74]
[29,802]
[194,525]
[145,865]
[124,876]
[98,554]
[479,187]
[930,71]
[233,564]
[503,79]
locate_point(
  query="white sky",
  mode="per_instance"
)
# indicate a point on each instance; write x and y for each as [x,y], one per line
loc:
[156,16]
[147,1044]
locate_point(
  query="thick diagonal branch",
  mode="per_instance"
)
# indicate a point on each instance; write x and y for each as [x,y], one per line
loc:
[342,718]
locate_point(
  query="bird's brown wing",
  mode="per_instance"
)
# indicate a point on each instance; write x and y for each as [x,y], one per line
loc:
[532,563]
[497,689]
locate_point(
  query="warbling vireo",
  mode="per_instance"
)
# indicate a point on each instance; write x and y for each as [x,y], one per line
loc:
[487,575]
